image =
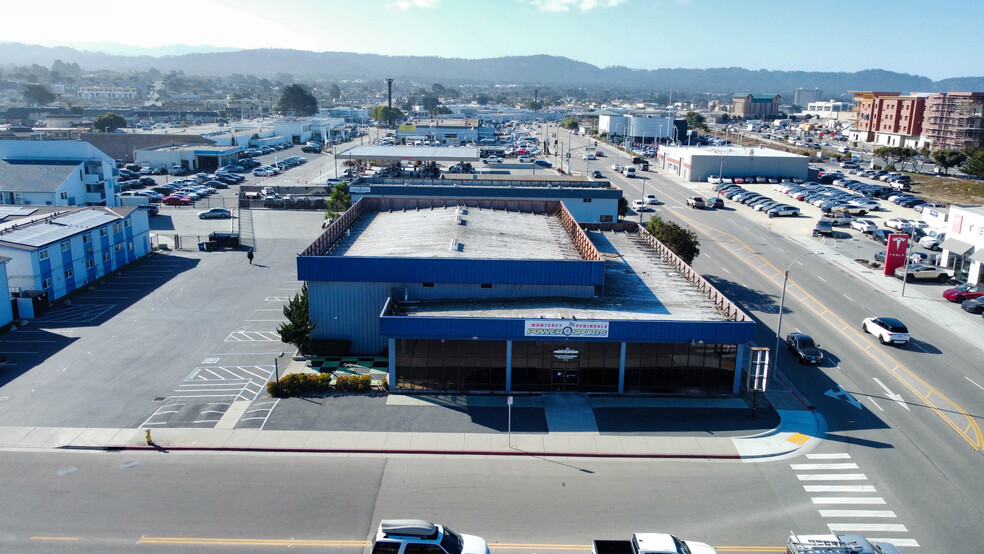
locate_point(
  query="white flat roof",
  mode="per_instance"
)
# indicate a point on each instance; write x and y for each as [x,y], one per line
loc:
[422,153]
[736,151]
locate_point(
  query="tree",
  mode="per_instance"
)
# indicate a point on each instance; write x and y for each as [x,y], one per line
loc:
[947,158]
[334,92]
[438,88]
[108,122]
[296,100]
[38,95]
[482,99]
[906,154]
[695,120]
[570,123]
[297,329]
[680,241]
[974,165]
[387,114]
[534,106]
[339,201]
[430,103]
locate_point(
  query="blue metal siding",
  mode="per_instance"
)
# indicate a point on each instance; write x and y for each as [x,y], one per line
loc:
[711,332]
[349,311]
[446,270]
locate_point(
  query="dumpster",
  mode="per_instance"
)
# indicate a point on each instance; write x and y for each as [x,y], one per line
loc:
[224,240]
[210,246]
[201,246]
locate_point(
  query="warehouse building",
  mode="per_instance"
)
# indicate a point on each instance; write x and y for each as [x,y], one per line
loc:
[473,294]
[698,163]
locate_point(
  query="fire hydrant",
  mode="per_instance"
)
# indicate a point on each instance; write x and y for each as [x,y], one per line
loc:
[149,441]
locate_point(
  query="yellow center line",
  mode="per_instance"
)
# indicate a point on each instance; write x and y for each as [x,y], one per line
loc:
[248,542]
[971,434]
[45,538]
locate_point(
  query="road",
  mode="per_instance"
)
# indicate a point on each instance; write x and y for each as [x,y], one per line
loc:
[912,417]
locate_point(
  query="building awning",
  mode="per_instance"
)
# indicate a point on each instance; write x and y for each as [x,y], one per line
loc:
[956,246]
[978,256]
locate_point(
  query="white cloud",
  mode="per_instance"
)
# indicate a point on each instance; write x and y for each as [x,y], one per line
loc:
[566,5]
[407,4]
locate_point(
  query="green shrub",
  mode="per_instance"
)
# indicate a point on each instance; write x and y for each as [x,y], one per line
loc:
[354,383]
[889,167]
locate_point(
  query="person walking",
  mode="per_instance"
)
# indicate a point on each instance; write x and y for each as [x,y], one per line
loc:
[249,255]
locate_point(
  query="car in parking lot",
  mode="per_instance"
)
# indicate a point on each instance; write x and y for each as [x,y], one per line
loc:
[928,206]
[525,159]
[264,172]
[823,227]
[784,210]
[888,330]
[804,348]
[973,306]
[177,200]
[215,213]
[966,291]
[881,235]
[912,272]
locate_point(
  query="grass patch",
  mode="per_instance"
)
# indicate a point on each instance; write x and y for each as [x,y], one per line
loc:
[947,190]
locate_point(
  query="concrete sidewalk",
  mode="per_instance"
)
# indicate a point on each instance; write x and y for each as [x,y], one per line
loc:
[800,430]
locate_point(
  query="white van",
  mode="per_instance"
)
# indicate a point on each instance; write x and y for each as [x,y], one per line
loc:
[629,171]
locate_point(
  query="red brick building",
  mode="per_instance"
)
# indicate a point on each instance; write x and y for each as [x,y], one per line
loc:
[888,118]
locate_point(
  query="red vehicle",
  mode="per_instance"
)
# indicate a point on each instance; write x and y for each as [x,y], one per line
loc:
[175,200]
[963,292]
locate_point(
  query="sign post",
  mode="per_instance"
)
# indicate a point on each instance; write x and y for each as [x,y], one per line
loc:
[758,375]
[509,402]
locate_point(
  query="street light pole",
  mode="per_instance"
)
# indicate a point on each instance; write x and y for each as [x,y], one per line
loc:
[643,200]
[276,366]
[782,301]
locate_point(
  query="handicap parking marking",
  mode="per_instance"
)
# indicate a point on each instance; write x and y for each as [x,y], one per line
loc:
[76,314]
[253,336]
[258,414]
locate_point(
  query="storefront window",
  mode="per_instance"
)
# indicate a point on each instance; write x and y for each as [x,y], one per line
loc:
[679,368]
[450,365]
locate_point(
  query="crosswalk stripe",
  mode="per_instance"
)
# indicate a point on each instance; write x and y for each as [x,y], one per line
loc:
[839,488]
[865,527]
[898,542]
[821,467]
[838,456]
[857,513]
[833,477]
[847,500]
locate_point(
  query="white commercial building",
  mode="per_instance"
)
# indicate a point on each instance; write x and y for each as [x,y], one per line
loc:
[56,173]
[106,94]
[693,163]
[54,251]
[302,129]
[963,249]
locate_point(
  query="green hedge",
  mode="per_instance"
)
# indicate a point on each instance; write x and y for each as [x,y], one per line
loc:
[299,384]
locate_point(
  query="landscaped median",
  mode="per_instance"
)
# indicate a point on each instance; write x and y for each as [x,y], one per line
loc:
[302,384]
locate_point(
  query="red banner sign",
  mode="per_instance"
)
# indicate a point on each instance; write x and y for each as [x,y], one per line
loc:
[898,245]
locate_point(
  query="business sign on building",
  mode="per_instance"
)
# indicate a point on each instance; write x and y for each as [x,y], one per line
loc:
[408,128]
[566,328]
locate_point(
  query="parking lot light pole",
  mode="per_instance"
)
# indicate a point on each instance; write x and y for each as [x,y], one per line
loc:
[276,366]
[782,301]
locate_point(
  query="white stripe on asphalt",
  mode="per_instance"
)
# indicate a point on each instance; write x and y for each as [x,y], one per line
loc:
[897,542]
[813,467]
[864,527]
[857,513]
[833,477]
[838,456]
[847,500]
[839,488]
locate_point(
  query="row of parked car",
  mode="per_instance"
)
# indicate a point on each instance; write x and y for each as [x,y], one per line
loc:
[758,179]
[279,167]
[266,149]
[829,199]
[757,201]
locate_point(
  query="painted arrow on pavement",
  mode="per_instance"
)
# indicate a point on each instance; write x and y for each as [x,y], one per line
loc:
[896,397]
[839,391]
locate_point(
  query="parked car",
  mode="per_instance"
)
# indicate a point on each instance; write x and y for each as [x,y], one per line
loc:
[966,291]
[973,306]
[804,348]
[526,159]
[215,213]
[928,206]
[888,329]
[176,200]
[264,172]
[784,210]
[149,208]
[823,227]
[912,272]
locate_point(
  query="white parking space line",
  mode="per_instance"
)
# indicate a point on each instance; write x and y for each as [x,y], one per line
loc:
[848,500]
[832,477]
[864,527]
[858,513]
[910,543]
[972,381]
[814,467]
[834,456]
[839,488]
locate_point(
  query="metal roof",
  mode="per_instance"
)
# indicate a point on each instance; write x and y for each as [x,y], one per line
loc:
[408,153]
[49,227]
[44,176]
[18,211]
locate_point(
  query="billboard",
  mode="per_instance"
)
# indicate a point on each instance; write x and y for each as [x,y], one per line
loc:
[566,328]
[898,246]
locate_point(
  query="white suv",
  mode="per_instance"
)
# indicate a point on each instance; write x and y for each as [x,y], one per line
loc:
[412,536]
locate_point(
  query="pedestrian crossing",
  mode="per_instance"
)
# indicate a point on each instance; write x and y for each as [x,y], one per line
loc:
[849,508]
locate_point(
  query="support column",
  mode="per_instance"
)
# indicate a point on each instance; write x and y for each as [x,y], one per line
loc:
[391,343]
[741,359]
[621,370]
[509,366]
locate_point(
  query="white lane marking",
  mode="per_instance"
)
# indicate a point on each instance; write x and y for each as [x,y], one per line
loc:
[897,542]
[780,249]
[833,477]
[897,398]
[264,320]
[972,381]
[848,297]
[872,400]
[821,278]
[921,349]
[858,513]
[821,467]
[848,527]
[847,500]
[725,270]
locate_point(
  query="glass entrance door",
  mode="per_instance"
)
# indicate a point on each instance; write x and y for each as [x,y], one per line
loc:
[564,379]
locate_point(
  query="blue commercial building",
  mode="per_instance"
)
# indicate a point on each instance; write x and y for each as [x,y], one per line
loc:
[492,294]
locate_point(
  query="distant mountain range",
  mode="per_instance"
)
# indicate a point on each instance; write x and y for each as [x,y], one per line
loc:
[523,70]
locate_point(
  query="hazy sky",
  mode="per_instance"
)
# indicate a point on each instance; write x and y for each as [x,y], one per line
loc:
[934,38]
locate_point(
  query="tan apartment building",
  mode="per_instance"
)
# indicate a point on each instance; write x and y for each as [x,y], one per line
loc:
[756,106]
[953,120]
